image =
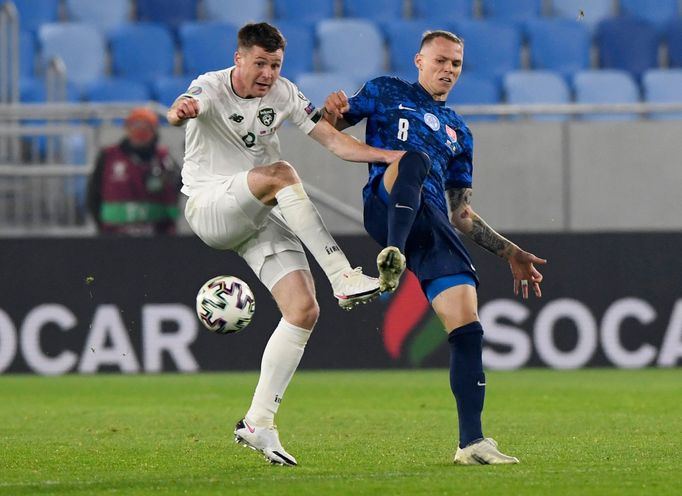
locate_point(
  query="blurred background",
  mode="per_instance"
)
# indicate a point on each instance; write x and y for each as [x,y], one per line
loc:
[575,106]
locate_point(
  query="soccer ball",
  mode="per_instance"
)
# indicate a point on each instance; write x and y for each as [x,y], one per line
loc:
[225,304]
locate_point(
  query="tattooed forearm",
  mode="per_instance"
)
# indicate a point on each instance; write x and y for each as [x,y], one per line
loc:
[459,199]
[486,237]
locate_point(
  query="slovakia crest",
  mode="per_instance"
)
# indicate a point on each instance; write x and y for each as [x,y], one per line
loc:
[432,121]
[452,134]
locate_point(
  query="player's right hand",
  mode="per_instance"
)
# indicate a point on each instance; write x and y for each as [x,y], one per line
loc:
[336,104]
[187,108]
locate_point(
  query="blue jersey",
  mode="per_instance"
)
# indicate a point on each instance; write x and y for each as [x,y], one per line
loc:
[404,116]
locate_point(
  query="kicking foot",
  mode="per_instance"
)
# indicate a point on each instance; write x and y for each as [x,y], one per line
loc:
[391,265]
[353,287]
[483,452]
[265,440]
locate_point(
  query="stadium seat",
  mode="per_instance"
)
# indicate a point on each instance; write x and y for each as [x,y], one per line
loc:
[33,90]
[168,12]
[103,15]
[129,61]
[309,11]
[317,85]
[27,54]
[663,86]
[80,46]
[236,12]
[673,40]
[166,89]
[491,47]
[589,13]
[34,13]
[512,10]
[627,44]
[559,44]
[535,87]
[658,12]
[377,10]
[362,53]
[403,39]
[300,49]
[605,86]
[475,89]
[442,10]
[207,46]
[116,90]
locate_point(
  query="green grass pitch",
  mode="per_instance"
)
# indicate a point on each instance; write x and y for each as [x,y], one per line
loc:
[586,432]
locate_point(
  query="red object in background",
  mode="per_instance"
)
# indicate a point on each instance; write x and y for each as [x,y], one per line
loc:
[406,310]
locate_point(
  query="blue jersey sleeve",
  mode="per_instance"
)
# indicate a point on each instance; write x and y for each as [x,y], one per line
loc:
[363,103]
[459,172]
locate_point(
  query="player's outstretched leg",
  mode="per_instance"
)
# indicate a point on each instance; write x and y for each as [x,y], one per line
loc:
[391,265]
[483,452]
[352,287]
[264,440]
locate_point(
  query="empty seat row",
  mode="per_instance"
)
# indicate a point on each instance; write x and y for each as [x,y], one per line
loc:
[108,13]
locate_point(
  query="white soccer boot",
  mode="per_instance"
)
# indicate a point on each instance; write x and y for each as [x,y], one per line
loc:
[353,287]
[483,452]
[265,440]
[391,265]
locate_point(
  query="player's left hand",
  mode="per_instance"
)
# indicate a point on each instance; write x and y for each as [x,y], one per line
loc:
[523,269]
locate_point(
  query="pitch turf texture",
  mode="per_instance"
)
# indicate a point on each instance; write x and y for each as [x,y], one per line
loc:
[581,432]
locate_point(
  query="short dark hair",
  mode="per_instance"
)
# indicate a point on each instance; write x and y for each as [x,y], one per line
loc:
[429,36]
[261,34]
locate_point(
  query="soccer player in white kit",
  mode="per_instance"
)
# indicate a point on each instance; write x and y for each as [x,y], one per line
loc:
[243,197]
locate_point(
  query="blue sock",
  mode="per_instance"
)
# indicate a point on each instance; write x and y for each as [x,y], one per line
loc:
[405,197]
[467,379]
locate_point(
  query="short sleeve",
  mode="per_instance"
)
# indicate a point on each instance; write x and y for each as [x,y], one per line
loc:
[459,172]
[363,103]
[302,112]
[202,90]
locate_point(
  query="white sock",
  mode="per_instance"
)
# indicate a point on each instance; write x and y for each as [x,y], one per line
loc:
[304,219]
[280,360]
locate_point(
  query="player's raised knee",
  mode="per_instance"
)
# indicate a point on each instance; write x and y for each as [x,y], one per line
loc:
[283,174]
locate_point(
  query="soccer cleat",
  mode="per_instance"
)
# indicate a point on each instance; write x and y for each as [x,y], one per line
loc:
[265,440]
[353,287]
[483,452]
[391,265]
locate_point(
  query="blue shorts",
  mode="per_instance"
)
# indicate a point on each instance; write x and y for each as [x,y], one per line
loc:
[433,250]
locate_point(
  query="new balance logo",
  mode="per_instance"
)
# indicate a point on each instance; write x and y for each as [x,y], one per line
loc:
[398,205]
[403,107]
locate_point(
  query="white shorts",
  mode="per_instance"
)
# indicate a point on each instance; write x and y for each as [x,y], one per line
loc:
[226,216]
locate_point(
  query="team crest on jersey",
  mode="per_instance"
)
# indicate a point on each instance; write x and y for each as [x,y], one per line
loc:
[452,134]
[432,121]
[266,116]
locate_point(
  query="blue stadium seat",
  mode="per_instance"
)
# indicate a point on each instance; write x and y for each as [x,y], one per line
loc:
[350,46]
[104,15]
[512,10]
[300,49]
[116,90]
[559,44]
[309,11]
[34,13]
[627,44]
[658,12]
[207,46]
[166,89]
[316,86]
[376,10]
[605,86]
[663,86]
[530,87]
[80,46]
[237,12]
[491,47]
[403,39]
[475,89]
[590,13]
[673,40]
[27,54]
[168,12]
[142,52]
[442,10]
[32,90]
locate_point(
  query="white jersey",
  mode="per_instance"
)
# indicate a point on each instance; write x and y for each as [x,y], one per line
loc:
[233,134]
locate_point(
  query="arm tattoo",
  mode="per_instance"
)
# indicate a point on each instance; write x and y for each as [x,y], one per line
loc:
[459,201]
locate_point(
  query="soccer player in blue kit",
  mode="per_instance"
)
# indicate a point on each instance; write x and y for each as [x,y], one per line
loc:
[406,209]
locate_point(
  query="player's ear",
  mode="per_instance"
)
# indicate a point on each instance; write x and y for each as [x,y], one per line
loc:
[418,60]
